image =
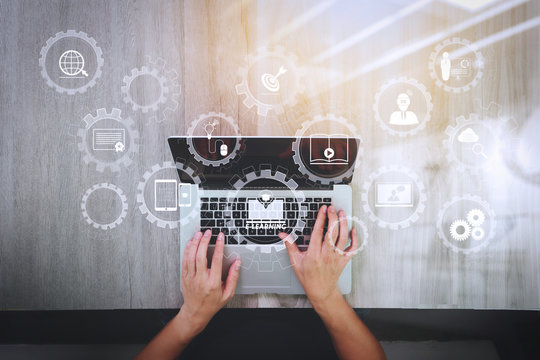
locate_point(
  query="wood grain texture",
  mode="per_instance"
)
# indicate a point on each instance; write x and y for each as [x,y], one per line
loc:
[51,259]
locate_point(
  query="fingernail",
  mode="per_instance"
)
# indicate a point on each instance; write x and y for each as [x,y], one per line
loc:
[198,235]
[220,237]
[207,232]
[237,265]
[323,209]
[332,209]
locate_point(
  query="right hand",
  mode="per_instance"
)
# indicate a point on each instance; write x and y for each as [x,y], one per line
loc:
[319,268]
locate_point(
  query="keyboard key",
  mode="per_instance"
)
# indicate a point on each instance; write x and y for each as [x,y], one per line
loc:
[306,231]
[313,206]
[233,232]
[236,214]
[225,231]
[239,223]
[231,240]
[207,214]
[309,200]
[222,199]
[213,206]
[220,223]
[222,206]
[311,223]
[241,199]
[241,206]
[317,199]
[218,214]
[204,199]
[204,206]
[287,206]
[327,200]
[291,215]
[208,223]
[294,206]
[214,199]
[289,200]
[215,231]
[300,240]
[271,232]
[244,214]
[243,231]
[227,214]
[252,231]
[260,232]
[213,240]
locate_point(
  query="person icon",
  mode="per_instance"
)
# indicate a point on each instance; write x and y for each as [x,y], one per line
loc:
[446,64]
[403,117]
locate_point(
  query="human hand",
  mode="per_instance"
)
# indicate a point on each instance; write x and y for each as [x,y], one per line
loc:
[319,268]
[204,292]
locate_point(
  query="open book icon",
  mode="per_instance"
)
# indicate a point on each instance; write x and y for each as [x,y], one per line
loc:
[329,149]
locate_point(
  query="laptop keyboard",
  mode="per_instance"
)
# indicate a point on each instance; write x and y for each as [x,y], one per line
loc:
[231,217]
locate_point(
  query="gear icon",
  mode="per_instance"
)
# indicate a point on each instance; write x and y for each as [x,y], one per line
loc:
[126,158]
[143,207]
[476,217]
[250,100]
[411,82]
[361,230]
[297,156]
[478,233]
[478,63]
[414,216]
[263,254]
[480,204]
[71,34]
[232,153]
[120,217]
[460,224]
[169,86]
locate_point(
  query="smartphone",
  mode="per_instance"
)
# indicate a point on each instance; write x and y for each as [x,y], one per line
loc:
[185,194]
[165,195]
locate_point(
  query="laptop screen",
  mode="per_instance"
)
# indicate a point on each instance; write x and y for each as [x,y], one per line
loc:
[221,160]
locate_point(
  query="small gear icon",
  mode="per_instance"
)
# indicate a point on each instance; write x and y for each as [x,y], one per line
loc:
[205,118]
[265,253]
[362,233]
[478,233]
[132,147]
[478,63]
[169,86]
[411,82]
[460,224]
[414,216]
[490,230]
[143,207]
[476,217]
[71,34]
[120,194]
[297,156]
[250,100]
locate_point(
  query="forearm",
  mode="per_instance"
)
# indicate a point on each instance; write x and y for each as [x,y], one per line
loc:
[351,338]
[171,341]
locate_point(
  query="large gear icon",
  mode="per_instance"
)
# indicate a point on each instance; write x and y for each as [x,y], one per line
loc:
[132,147]
[263,254]
[417,85]
[480,204]
[460,223]
[74,34]
[120,217]
[170,89]
[233,152]
[479,65]
[297,156]
[143,207]
[420,207]
[250,100]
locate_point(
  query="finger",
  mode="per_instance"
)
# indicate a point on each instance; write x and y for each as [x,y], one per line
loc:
[351,249]
[189,257]
[232,280]
[217,258]
[184,259]
[343,231]
[201,263]
[333,227]
[317,233]
[292,249]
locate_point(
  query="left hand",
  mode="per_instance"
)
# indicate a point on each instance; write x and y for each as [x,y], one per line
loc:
[204,292]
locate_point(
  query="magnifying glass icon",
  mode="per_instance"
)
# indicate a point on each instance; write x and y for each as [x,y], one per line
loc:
[478,149]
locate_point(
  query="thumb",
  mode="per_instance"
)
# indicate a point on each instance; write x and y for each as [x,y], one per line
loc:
[232,280]
[292,249]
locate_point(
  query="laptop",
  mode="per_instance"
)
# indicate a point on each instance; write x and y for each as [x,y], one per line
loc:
[251,189]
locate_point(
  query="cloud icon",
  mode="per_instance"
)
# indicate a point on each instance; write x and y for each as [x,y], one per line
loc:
[468,136]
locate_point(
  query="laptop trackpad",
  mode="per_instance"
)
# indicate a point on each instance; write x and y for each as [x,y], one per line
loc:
[265,279]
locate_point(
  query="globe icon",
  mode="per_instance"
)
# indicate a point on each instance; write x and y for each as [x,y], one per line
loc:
[71,63]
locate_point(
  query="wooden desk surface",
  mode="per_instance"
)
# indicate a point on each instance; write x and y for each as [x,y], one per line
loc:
[51,258]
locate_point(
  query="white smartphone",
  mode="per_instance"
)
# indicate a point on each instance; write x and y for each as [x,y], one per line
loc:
[165,195]
[185,194]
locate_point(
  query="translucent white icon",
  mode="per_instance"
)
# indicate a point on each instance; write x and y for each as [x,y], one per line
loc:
[109,139]
[224,150]
[266,197]
[165,195]
[326,145]
[403,117]
[469,136]
[461,230]
[270,81]
[71,63]
[393,194]
[446,64]
[185,194]
[210,127]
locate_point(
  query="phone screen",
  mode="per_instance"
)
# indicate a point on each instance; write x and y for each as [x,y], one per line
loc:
[166,195]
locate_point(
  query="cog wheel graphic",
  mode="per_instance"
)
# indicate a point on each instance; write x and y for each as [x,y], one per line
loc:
[414,216]
[420,87]
[120,194]
[267,252]
[362,233]
[460,223]
[480,204]
[479,63]
[73,34]
[233,152]
[143,206]
[476,217]
[478,233]
[127,155]
[250,100]
[169,86]
[297,156]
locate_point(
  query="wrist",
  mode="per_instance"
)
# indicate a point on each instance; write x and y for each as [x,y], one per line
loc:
[187,324]
[328,304]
